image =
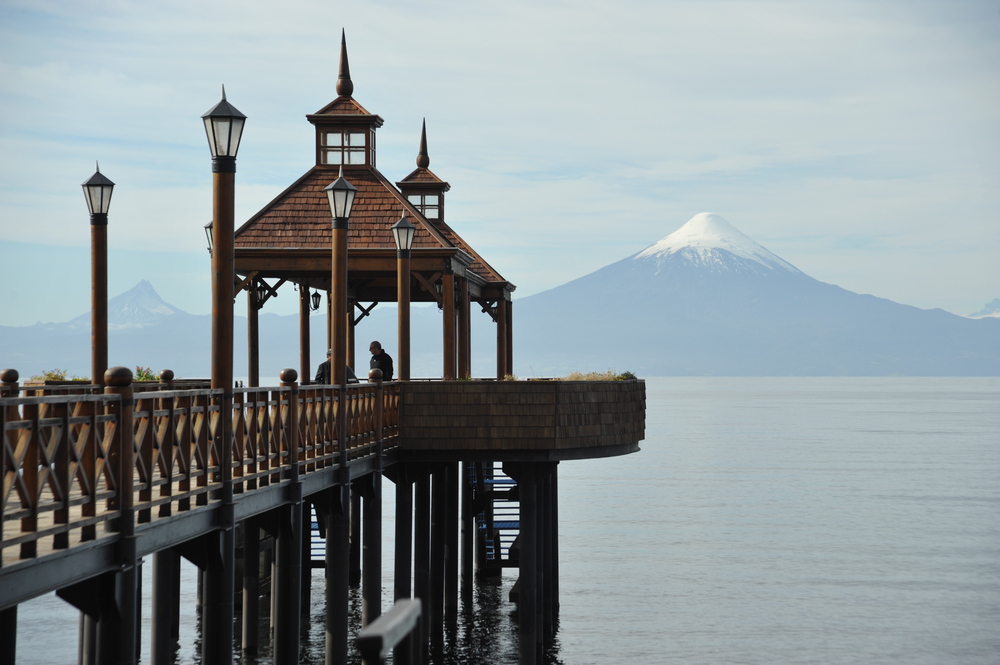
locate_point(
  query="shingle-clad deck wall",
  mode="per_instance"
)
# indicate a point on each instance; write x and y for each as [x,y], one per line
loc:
[552,419]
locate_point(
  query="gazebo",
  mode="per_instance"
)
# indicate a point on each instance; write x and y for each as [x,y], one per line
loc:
[289,241]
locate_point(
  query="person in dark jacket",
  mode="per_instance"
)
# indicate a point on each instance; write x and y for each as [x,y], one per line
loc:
[323,372]
[381,360]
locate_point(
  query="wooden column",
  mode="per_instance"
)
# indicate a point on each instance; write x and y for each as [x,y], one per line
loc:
[305,370]
[464,330]
[403,314]
[98,298]
[218,574]
[509,338]
[450,369]
[253,337]
[501,339]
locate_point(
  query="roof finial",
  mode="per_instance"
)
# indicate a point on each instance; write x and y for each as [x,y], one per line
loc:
[345,87]
[223,92]
[98,165]
[423,160]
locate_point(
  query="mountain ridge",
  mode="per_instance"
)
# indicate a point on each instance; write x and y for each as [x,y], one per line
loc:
[704,300]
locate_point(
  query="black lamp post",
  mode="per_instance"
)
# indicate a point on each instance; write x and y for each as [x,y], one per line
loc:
[97,190]
[402,233]
[340,194]
[224,128]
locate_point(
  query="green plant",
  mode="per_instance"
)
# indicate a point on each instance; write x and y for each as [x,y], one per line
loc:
[509,377]
[56,375]
[145,374]
[609,375]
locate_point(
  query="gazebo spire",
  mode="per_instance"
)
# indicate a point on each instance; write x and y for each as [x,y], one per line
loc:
[345,87]
[423,160]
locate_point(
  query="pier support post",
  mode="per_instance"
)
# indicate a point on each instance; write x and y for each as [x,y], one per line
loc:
[165,611]
[439,535]
[251,586]
[468,534]
[531,579]
[422,555]
[355,539]
[403,533]
[338,562]
[371,567]
[451,475]
[8,636]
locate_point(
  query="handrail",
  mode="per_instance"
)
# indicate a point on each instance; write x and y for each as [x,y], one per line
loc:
[390,630]
[56,451]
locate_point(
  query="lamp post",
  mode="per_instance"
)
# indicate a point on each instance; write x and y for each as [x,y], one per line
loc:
[340,194]
[97,191]
[224,128]
[402,233]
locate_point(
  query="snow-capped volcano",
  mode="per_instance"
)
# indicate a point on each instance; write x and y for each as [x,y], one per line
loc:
[708,300]
[709,241]
[138,307]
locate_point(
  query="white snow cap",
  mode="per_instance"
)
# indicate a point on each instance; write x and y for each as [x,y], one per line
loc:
[706,232]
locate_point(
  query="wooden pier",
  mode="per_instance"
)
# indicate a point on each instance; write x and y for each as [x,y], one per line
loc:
[98,480]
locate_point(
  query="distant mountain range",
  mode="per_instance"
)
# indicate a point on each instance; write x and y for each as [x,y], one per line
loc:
[708,300]
[705,300]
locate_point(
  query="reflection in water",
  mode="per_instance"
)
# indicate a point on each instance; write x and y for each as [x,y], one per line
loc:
[484,632]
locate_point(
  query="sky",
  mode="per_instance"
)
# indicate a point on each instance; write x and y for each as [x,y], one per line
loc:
[857,140]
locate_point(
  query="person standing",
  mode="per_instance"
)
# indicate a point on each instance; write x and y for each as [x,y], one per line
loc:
[381,360]
[323,376]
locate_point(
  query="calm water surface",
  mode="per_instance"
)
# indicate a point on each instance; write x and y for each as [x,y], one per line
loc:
[766,520]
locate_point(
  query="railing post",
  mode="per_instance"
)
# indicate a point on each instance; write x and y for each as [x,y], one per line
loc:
[288,546]
[8,383]
[371,533]
[117,631]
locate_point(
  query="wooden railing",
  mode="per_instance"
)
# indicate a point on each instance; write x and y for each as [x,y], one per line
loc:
[60,453]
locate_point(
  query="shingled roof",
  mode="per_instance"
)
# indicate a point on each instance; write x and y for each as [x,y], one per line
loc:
[299,217]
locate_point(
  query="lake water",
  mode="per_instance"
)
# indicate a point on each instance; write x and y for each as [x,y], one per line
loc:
[766,520]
